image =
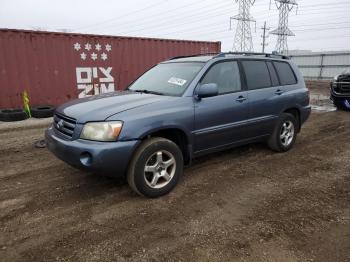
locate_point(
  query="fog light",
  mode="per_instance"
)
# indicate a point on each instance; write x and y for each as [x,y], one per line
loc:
[86,159]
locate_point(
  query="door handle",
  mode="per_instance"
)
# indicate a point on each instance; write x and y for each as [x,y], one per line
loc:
[279,92]
[241,99]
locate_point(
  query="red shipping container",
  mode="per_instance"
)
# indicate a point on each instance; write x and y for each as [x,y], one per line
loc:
[55,67]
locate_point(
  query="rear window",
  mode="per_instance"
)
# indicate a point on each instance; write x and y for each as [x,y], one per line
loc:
[285,73]
[257,74]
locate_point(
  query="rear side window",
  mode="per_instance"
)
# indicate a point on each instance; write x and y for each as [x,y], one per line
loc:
[273,74]
[257,74]
[285,73]
[225,75]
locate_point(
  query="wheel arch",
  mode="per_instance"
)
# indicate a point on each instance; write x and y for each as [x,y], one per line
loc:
[175,134]
[296,113]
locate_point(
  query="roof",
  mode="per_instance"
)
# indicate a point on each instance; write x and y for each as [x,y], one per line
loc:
[207,57]
[204,58]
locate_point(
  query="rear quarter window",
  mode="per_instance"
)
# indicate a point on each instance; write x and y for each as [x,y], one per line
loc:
[285,73]
[257,74]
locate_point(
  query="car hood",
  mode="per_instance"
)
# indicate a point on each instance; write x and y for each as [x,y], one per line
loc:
[100,107]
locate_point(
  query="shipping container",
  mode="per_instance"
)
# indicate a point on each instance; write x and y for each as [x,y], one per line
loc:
[56,67]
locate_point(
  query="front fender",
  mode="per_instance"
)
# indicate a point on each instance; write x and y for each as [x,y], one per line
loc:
[173,114]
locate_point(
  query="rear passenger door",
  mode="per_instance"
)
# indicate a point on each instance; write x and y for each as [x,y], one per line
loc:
[221,120]
[265,96]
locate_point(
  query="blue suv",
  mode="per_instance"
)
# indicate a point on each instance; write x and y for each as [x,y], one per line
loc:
[178,110]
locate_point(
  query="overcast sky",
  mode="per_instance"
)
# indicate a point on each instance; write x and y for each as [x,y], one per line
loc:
[318,25]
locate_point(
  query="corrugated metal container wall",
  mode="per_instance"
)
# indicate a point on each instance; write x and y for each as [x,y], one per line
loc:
[302,60]
[331,72]
[56,67]
[310,72]
[322,65]
[337,60]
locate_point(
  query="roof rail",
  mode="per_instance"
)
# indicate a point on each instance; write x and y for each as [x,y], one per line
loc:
[252,54]
[184,56]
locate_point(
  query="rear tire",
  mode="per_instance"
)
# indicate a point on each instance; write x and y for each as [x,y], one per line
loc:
[155,167]
[284,134]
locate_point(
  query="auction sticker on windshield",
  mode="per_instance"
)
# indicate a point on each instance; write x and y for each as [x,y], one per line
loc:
[177,81]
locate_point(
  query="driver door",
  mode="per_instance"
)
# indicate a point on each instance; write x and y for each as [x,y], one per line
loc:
[221,120]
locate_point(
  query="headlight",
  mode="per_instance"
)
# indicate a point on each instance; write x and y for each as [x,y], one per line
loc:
[101,131]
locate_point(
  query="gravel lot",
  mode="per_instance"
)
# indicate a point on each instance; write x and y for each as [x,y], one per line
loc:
[244,204]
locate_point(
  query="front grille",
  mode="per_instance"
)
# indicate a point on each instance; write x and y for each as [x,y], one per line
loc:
[344,83]
[64,125]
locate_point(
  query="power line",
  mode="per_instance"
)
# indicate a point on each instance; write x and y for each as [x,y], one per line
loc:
[322,29]
[321,5]
[196,17]
[337,23]
[193,19]
[220,32]
[125,15]
[172,10]
[219,25]
[302,15]
[295,39]
[165,26]
[194,30]
[210,25]
[154,17]
[215,34]
[320,38]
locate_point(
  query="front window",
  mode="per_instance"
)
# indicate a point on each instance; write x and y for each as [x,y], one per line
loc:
[225,75]
[168,79]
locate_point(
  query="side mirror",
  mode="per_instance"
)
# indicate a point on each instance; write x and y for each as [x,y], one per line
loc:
[207,90]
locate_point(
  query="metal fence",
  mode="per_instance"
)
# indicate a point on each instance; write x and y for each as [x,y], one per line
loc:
[322,66]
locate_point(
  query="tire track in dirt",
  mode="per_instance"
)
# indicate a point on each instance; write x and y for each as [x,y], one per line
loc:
[242,204]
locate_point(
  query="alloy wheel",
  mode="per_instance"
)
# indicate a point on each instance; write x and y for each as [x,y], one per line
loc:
[159,169]
[287,133]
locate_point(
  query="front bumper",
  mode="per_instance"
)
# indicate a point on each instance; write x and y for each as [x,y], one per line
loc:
[110,158]
[336,96]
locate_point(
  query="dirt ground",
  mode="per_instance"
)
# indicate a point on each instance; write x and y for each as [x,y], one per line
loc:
[244,204]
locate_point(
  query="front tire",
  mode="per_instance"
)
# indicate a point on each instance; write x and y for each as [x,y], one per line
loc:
[342,104]
[284,134]
[155,167]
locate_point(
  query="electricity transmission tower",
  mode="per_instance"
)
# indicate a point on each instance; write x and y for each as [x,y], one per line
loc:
[264,37]
[243,36]
[282,31]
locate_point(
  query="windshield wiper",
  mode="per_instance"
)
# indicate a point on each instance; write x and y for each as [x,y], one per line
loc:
[149,92]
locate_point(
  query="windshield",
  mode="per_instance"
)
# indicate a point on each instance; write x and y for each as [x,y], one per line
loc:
[168,79]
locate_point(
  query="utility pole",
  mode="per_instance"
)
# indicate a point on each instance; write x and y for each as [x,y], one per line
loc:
[243,36]
[264,36]
[282,31]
